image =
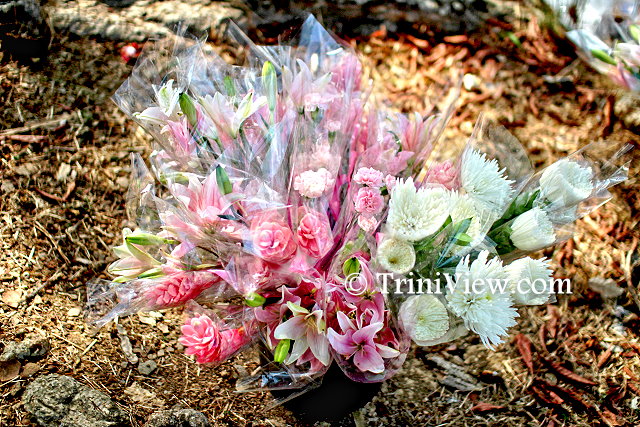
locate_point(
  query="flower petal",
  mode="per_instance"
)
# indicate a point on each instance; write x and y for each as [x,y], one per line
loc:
[292,329]
[368,359]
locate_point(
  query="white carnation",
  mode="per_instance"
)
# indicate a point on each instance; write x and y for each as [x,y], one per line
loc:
[488,311]
[424,318]
[396,255]
[566,183]
[416,214]
[530,281]
[484,181]
[532,230]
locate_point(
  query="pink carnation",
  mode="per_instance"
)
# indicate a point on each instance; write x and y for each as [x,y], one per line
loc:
[369,201]
[313,184]
[272,240]
[444,174]
[390,182]
[204,339]
[314,235]
[368,224]
[368,176]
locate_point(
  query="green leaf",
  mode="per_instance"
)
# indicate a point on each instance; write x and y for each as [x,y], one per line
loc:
[603,56]
[147,239]
[463,239]
[151,273]
[223,181]
[282,350]
[634,30]
[228,85]
[188,109]
[255,300]
[514,39]
[270,81]
[350,267]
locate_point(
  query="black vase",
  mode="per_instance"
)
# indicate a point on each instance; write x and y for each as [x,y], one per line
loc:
[335,398]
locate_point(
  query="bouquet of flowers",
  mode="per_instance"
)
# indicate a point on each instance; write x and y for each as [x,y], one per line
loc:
[287,213]
[607,34]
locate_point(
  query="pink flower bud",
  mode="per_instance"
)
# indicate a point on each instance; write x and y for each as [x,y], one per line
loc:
[445,174]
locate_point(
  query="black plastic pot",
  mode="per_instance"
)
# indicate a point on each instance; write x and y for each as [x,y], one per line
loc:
[336,398]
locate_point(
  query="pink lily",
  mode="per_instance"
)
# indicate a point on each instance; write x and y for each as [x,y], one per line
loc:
[202,205]
[184,145]
[359,343]
[306,328]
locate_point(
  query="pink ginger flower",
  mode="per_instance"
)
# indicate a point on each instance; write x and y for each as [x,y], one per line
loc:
[179,286]
[314,234]
[272,239]
[204,339]
[368,356]
[445,174]
[369,177]
[369,201]
[313,184]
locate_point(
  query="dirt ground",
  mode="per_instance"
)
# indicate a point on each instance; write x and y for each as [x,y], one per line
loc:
[63,189]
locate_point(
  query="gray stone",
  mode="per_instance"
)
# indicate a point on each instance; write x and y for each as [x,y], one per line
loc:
[177,417]
[61,401]
[140,20]
[145,368]
[32,347]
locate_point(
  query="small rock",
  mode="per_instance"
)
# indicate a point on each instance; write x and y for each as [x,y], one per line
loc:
[29,370]
[12,298]
[122,181]
[61,401]
[471,81]
[146,368]
[178,417]
[63,172]
[74,312]
[32,347]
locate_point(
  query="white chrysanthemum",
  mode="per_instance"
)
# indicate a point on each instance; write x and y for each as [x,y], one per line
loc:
[532,230]
[424,318]
[566,183]
[416,214]
[530,280]
[396,255]
[486,310]
[484,181]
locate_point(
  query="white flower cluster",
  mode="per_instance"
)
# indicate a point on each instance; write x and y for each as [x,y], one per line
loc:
[488,310]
